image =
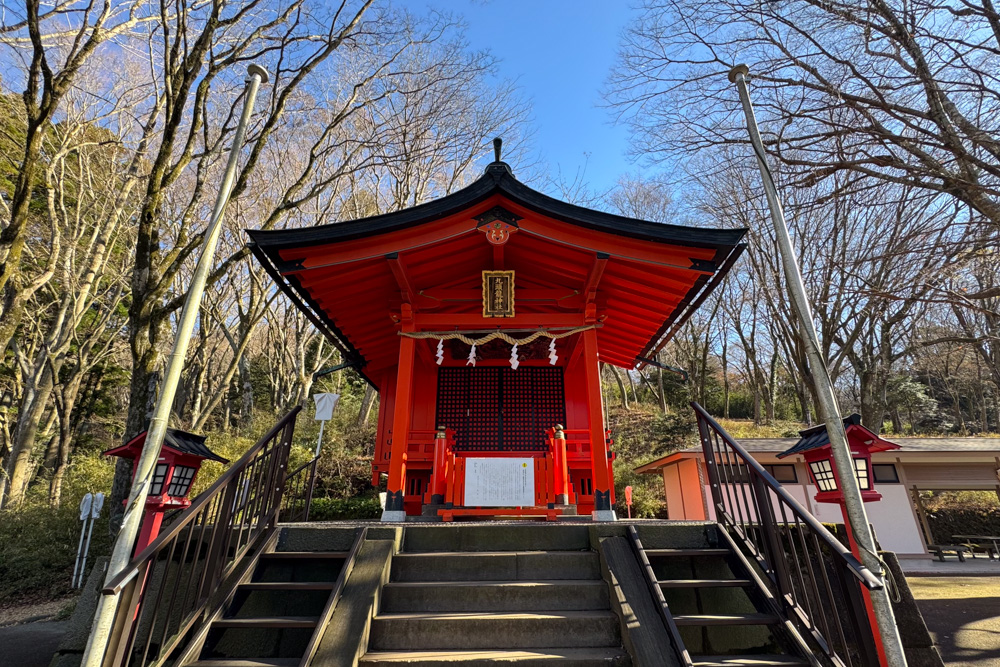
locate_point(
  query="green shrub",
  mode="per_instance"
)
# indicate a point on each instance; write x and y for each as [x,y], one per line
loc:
[641,435]
[961,513]
[38,548]
[342,509]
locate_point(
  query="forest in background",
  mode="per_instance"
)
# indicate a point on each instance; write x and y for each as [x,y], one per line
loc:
[116,118]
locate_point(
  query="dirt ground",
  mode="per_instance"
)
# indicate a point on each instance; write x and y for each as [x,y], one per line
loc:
[963,616]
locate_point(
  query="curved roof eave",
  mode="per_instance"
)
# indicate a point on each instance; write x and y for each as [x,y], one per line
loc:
[497,179]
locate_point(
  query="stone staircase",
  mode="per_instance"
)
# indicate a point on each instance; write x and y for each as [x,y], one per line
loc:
[526,596]
[722,615]
[273,616]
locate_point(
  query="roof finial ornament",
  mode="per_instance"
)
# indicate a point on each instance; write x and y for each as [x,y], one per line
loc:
[498,167]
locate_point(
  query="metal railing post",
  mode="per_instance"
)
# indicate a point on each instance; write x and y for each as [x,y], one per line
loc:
[769,527]
[121,552]
[826,399]
[710,462]
[312,488]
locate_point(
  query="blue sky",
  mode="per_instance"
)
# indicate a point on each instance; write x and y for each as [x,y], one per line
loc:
[560,52]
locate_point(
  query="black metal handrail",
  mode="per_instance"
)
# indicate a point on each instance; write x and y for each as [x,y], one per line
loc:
[168,588]
[815,577]
[661,602]
[299,486]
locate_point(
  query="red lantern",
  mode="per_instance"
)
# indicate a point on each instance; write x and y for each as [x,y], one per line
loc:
[174,474]
[814,446]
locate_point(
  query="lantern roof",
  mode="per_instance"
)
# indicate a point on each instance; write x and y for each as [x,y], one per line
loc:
[648,277]
[817,436]
[177,441]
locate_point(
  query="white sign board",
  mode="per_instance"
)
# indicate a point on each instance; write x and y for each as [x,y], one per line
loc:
[325,403]
[85,505]
[499,482]
[95,510]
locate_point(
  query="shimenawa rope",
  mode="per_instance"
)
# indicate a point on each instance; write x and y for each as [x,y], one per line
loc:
[494,335]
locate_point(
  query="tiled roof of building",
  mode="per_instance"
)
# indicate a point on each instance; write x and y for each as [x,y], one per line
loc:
[906,444]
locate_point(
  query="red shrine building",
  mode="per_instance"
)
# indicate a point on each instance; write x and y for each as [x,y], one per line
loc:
[483,318]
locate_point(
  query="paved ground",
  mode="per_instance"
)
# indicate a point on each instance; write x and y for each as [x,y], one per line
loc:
[963,616]
[30,633]
[30,644]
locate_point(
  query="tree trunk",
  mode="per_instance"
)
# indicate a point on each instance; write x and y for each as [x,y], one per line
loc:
[146,344]
[366,406]
[66,400]
[621,387]
[725,378]
[663,395]
[246,393]
[803,395]
[18,474]
[772,388]
[872,408]
[897,422]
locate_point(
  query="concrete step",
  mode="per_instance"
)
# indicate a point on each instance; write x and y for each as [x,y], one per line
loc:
[532,657]
[749,661]
[288,586]
[504,630]
[528,537]
[299,567]
[726,619]
[303,555]
[275,622]
[564,594]
[245,662]
[257,602]
[495,566]
[703,583]
[685,553]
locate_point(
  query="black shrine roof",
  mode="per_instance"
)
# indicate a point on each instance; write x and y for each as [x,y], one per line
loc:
[190,443]
[497,179]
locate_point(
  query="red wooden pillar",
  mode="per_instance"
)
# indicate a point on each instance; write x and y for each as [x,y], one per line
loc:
[561,466]
[598,444]
[400,430]
[440,471]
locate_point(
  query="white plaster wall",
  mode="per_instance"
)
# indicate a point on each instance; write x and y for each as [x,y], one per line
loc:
[892,517]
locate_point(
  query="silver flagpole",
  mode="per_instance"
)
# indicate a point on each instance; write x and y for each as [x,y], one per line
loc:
[825,397]
[104,616]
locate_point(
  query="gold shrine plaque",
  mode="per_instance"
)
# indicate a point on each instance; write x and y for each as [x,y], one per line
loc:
[498,294]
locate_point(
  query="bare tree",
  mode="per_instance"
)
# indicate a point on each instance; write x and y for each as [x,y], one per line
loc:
[866,92]
[55,56]
[81,296]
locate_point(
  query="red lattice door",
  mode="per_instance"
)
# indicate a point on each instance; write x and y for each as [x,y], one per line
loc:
[500,409]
